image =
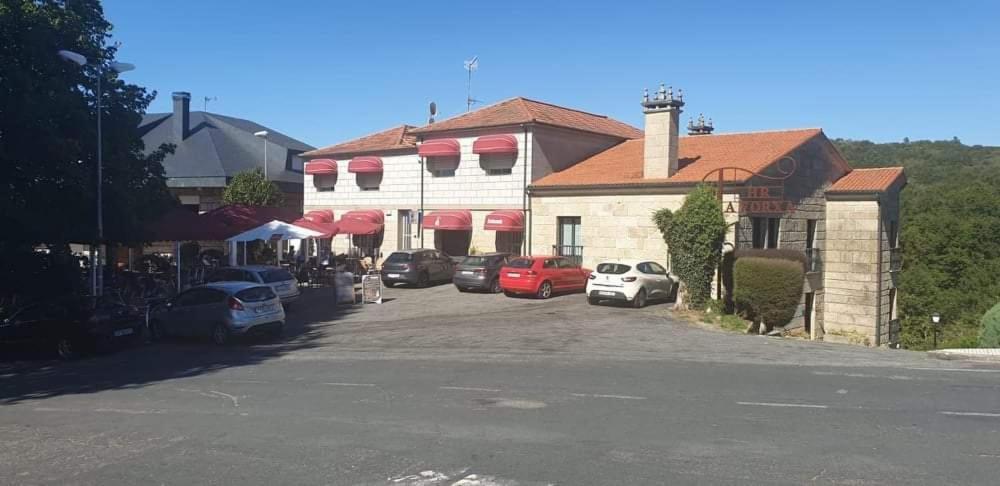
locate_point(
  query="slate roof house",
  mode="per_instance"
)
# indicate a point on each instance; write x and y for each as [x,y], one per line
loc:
[211,148]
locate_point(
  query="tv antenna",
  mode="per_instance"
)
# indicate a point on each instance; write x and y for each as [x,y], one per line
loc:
[470,65]
[205,101]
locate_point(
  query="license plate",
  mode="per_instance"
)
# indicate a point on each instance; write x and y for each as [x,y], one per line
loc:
[123,332]
[514,275]
[284,287]
[264,308]
[466,272]
[605,292]
[393,275]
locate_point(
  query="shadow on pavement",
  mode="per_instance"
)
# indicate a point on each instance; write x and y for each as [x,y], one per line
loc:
[27,377]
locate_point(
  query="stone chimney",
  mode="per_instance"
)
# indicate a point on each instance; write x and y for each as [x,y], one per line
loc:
[701,127]
[182,115]
[663,115]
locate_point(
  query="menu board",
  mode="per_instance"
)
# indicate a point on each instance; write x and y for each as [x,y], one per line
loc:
[371,289]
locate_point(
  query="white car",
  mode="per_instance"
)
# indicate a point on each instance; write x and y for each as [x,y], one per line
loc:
[634,281]
[279,279]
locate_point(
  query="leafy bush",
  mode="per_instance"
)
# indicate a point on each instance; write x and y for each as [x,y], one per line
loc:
[989,337]
[767,290]
[252,189]
[694,235]
[776,253]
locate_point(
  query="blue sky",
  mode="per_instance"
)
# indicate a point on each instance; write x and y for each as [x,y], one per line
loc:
[326,72]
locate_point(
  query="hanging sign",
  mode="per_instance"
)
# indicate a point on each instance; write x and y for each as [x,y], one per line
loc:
[758,199]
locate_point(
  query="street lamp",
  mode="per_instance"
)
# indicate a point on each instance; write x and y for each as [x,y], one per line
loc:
[935,319]
[263,134]
[96,274]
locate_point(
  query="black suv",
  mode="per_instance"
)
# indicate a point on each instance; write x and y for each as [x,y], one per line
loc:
[419,267]
[71,326]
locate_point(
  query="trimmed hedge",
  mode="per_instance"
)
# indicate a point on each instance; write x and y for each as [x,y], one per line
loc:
[776,253]
[767,290]
[989,337]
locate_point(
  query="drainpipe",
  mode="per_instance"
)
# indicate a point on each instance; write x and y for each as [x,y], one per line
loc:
[420,215]
[878,277]
[525,243]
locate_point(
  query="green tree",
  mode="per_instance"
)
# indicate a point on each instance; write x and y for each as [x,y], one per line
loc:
[252,189]
[989,337]
[694,237]
[48,139]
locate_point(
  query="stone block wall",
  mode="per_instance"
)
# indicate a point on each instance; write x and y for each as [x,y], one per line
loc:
[850,276]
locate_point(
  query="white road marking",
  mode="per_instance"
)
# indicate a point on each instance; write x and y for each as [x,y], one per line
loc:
[598,395]
[789,405]
[55,409]
[236,401]
[971,370]
[129,411]
[971,414]
[469,388]
[350,384]
[862,375]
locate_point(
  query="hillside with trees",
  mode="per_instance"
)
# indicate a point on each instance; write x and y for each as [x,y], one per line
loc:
[950,234]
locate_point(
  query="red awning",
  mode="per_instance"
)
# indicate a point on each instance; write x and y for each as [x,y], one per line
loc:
[442,147]
[365,165]
[495,144]
[321,167]
[320,216]
[327,228]
[361,222]
[457,220]
[505,220]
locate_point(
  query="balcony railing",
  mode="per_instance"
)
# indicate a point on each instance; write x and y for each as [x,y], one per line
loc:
[895,259]
[574,253]
[814,262]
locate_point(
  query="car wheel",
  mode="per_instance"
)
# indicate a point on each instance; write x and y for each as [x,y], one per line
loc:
[220,334]
[67,348]
[639,301]
[423,280]
[593,300]
[461,289]
[156,332]
[544,290]
[495,286]
[388,285]
[508,293]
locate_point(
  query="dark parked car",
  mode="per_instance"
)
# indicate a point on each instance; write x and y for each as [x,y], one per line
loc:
[480,272]
[419,267]
[71,326]
[220,311]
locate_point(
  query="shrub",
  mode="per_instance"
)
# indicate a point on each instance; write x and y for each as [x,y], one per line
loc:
[775,253]
[989,337]
[767,290]
[252,189]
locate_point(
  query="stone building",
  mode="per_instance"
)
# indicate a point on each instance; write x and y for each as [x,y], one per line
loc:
[523,175]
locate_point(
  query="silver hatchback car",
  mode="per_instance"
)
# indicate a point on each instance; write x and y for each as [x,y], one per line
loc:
[221,311]
[280,280]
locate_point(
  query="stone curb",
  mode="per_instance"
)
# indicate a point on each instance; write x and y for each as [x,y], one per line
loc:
[979,354]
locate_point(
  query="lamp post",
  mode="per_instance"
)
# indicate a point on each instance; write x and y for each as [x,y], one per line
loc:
[263,134]
[96,273]
[935,319]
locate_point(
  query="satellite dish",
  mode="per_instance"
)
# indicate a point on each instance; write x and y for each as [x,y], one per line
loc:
[434,110]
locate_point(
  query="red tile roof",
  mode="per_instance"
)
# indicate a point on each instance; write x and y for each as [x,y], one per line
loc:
[396,138]
[522,110]
[699,156]
[868,180]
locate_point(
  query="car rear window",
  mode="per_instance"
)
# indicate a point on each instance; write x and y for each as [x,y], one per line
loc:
[255,294]
[475,261]
[399,258]
[521,263]
[613,268]
[276,275]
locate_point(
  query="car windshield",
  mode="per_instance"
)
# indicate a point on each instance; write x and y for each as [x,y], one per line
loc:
[275,275]
[255,294]
[521,263]
[613,268]
[399,258]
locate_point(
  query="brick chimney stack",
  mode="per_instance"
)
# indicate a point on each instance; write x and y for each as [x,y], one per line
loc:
[663,115]
[182,115]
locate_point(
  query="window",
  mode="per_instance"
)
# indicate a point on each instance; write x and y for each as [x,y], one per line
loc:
[495,172]
[550,263]
[369,181]
[275,275]
[613,268]
[564,263]
[811,233]
[443,172]
[293,162]
[570,236]
[324,182]
[521,263]
[199,297]
[766,232]
[255,294]
[657,269]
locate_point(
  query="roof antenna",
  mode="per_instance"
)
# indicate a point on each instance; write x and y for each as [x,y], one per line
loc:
[205,101]
[470,65]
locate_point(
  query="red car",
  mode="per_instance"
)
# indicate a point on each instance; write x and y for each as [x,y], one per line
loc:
[542,276]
